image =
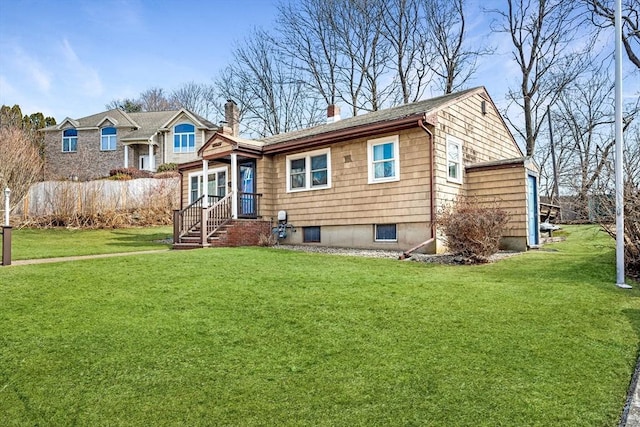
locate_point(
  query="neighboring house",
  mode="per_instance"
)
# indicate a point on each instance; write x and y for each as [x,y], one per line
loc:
[91,146]
[372,181]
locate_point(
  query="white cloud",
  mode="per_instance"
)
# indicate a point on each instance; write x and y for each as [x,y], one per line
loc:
[82,75]
[32,68]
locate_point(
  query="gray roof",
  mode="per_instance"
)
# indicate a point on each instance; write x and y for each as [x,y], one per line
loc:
[133,126]
[390,114]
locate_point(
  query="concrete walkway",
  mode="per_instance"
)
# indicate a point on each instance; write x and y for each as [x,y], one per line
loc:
[81,257]
[631,414]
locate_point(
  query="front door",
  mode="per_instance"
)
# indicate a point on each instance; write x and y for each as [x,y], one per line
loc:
[247,203]
[533,214]
[143,163]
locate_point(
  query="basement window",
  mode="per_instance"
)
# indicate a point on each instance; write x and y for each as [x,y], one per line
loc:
[311,234]
[386,233]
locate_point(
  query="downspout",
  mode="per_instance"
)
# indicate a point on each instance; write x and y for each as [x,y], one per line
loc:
[432,193]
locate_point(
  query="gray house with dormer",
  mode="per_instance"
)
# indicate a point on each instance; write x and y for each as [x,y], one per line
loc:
[90,147]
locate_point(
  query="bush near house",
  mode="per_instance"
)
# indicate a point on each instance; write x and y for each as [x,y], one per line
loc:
[473,229]
[167,167]
[132,172]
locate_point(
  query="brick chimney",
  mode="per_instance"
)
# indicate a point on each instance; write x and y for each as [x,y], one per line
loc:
[333,113]
[232,116]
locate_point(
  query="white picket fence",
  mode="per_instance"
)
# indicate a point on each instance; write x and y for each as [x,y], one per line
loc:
[64,197]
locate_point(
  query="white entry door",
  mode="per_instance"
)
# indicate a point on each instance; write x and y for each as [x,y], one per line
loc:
[143,163]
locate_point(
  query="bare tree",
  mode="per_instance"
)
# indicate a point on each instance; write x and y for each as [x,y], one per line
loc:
[543,33]
[602,16]
[364,53]
[584,119]
[306,37]
[408,55]
[271,98]
[454,61]
[154,99]
[20,162]
[198,98]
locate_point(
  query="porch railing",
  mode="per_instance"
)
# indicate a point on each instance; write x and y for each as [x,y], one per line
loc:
[248,205]
[190,220]
[216,216]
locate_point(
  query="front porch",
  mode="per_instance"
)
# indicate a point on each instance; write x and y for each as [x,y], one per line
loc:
[232,220]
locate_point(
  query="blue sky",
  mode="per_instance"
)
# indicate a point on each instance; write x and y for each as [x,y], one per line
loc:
[68,58]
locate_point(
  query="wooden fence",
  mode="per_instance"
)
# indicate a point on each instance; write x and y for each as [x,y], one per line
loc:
[60,197]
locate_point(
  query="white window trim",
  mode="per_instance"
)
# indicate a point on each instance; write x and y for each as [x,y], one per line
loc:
[396,157]
[307,181]
[109,138]
[375,234]
[453,140]
[185,150]
[69,138]
[201,173]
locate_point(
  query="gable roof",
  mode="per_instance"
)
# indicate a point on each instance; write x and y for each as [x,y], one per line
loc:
[403,115]
[133,126]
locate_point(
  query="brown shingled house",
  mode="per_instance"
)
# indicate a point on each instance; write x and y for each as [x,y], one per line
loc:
[91,146]
[371,181]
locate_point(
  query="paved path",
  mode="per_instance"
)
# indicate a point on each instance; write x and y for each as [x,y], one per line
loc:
[81,257]
[631,415]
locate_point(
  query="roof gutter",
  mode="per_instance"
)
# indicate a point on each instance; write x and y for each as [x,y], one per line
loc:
[343,134]
[432,194]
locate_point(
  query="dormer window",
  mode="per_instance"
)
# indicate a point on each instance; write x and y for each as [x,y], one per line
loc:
[184,138]
[69,141]
[108,139]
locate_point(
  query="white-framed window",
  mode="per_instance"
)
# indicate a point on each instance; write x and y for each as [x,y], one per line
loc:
[386,232]
[108,139]
[454,159]
[217,184]
[70,141]
[184,138]
[383,159]
[309,171]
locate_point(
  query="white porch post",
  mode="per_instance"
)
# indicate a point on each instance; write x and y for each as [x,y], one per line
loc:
[151,157]
[126,156]
[205,183]
[234,185]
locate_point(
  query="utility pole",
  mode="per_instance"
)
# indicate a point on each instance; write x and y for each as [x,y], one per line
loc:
[618,156]
[555,192]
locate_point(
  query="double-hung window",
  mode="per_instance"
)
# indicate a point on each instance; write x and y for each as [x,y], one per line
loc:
[454,159]
[216,185]
[309,171]
[108,139]
[184,138]
[69,141]
[383,156]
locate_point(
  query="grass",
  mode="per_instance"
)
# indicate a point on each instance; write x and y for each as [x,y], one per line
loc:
[31,243]
[254,336]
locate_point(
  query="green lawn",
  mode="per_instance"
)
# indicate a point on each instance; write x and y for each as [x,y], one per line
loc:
[31,243]
[255,336]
